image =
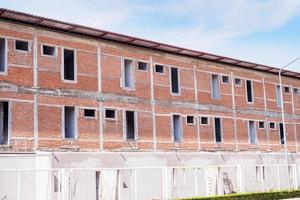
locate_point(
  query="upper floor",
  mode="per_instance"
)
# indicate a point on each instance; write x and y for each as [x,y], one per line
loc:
[35,58]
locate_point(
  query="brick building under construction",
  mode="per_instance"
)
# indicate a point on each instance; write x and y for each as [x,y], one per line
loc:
[79,98]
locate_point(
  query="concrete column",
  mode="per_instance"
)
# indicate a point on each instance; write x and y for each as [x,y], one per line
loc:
[234,111]
[35,97]
[43,177]
[197,103]
[294,119]
[266,115]
[99,66]
[153,105]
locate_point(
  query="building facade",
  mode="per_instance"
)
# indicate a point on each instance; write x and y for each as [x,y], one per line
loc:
[70,88]
[65,91]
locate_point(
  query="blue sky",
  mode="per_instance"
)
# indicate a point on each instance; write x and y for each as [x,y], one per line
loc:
[263,31]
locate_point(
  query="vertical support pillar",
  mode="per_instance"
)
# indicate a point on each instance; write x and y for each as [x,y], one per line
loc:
[294,119]
[196,181]
[266,115]
[262,179]
[240,178]
[197,103]
[59,184]
[164,175]
[101,138]
[135,185]
[234,111]
[278,178]
[19,184]
[35,97]
[153,106]
[295,176]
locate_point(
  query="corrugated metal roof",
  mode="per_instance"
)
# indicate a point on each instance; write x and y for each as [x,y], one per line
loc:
[20,17]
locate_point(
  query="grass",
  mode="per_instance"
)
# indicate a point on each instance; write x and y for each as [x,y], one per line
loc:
[275,195]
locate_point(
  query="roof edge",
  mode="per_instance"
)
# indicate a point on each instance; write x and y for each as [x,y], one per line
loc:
[34,20]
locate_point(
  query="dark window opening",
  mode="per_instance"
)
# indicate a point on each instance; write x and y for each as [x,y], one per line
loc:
[287,89]
[296,91]
[69,65]
[48,50]
[238,81]
[3,122]
[128,73]
[272,125]
[143,66]
[215,86]
[110,114]
[218,133]
[159,68]
[98,189]
[249,91]
[278,96]
[177,132]
[225,79]
[89,113]
[204,120]
[190,119]
[130,125]
[2,55]
[69,122]
[174,80]
[56,187]
[281,131]
[261,125]
[252,132]
[21,45]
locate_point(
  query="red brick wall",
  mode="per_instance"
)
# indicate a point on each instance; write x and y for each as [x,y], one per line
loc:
[52,94]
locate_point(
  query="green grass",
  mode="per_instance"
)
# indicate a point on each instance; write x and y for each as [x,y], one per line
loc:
[276,195]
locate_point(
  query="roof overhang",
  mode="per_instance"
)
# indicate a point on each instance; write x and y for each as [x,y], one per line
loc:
[33,20]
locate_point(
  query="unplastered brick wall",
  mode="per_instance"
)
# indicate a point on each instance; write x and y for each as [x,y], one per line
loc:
[123,98]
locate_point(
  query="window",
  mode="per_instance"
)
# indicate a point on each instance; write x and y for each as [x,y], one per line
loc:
[278,96]
[159,68]
[49,50]
[69,64]
[296,91]
[174,80]
[238,81]
[215,86]
[4,122]
[21,45]
[281,132]
[69,122]
[3,55]
[130,126]
[225,79]
[90,113]
[143,66]
[204,120]
[287,90]
[190,120]
[249,91]
[110,114]
[218,133]
[261,125]
[128,80]
[177,131]
[272,126]
[252,132]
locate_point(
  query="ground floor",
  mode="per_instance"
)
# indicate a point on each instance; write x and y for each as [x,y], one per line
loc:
[143,175]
